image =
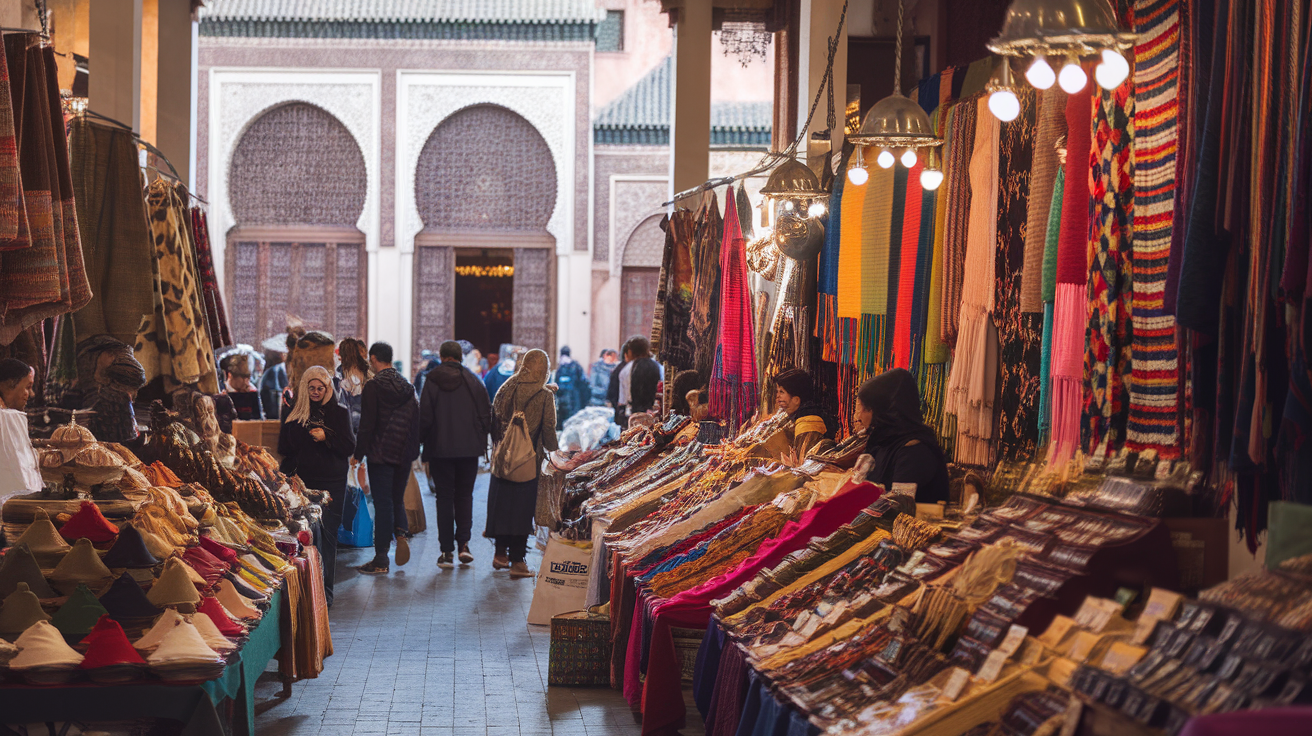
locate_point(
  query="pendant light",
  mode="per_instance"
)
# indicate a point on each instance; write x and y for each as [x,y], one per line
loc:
[1065,32]
[895,122]
[794,187]
[1003,102]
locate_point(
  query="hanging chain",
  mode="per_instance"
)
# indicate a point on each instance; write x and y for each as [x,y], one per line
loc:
[43,13]
[897,60]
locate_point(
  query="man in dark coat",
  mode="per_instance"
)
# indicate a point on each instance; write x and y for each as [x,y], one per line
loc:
[389,438]
[572,391]
[454,419]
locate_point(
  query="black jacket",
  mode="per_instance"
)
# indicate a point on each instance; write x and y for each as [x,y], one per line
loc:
[646,376]
[389,420]
[322,465]
[454,413]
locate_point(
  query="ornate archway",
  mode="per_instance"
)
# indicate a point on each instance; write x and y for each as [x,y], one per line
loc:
[297,185]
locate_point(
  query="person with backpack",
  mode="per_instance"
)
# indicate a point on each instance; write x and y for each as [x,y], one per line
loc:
[524,429]
[454,419]
[389,439]
[572,391]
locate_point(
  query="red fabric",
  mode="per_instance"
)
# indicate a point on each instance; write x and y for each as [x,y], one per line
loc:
[107,645]
[205,564]
[228,556]
[212,608]
[90,523]
[633,655]
[1269,722]
[733,379]
[906,277]
[1073,242]
[662,694]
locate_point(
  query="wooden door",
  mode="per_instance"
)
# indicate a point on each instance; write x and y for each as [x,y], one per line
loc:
[637,301]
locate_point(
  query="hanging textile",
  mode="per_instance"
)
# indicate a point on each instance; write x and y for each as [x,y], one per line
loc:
[1107,355]
[705,247]
[828,267]
[733,381]
[173,341]
[111,215]
[216,318]
[1069,320]
[47,278]
[956,183]
[674,294]
[1049,131]
[1018,331]
[1153,391]
[903,279]
[973,382]
[876,242]
[1048,294]
[13,211]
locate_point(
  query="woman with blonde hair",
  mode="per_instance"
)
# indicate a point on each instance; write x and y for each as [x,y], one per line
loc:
[510,505]
[316,442]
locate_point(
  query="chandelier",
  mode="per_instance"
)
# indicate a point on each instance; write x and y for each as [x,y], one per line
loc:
[897,123]
[1064,32]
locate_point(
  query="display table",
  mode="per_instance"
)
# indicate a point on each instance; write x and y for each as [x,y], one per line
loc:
[195,706]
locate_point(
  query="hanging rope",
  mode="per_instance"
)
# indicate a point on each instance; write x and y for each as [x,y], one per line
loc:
[897,52]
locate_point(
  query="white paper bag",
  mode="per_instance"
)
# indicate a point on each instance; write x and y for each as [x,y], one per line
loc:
[562,583]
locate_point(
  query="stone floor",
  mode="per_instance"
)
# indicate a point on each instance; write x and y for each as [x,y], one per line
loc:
[439,652]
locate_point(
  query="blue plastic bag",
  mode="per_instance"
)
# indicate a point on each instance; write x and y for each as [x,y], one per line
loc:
[357,528]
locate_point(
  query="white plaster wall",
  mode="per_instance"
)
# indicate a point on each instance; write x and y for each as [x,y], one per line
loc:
[238,96]
[546,100]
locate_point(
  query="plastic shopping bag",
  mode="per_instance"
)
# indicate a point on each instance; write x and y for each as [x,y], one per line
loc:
[357,528]
[562,579]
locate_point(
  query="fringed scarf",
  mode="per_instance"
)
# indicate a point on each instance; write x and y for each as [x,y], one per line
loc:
[47,278]
[956,183]
[13,212]
[902,280]
[973,382]
[827,285]
[1051,127]
[674,297]
[1153,421]
[1048,293]
[1019,332]
[1069,320]
[876,241]
[705,249]
[733,381]
[216,318]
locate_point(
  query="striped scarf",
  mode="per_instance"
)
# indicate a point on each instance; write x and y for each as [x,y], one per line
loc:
[956,185]
[1153,421]
[733,380]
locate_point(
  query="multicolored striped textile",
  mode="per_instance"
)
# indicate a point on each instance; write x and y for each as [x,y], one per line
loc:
[705,248]
[13,213]
[1049,129]
[1111,190]
[956,189]
[733,382]
[216,317]
[674,294]
[1153,421]
[1049,293]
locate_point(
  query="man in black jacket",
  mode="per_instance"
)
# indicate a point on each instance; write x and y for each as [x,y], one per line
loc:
[389,438]
[454,419]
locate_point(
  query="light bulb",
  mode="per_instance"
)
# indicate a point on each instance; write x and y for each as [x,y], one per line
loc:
[1112,71]
[1041,74]
[909,158]
[885,159]
[817,209]
[931,178]
[1072,77]
[1004,105]
[858,175]
[788,205]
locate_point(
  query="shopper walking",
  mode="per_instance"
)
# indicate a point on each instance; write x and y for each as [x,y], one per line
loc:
[316,442]
[455,417]
[572,391]
[353,371]
[389,441]
[510,504]
[599,375]
[638,379]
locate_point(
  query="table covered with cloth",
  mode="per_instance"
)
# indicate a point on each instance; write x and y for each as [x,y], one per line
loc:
[195,706]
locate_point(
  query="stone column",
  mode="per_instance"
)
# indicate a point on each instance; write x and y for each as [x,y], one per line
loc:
[173,85]
[115,60]
[690,124]
[819,21]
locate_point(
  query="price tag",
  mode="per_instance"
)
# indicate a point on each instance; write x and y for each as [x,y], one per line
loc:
[1162,603]
[903,489]
[1015,636]
[992,667]
[1143,628]
[1120,657]
[956,683]
[1082,646]
[1057,631]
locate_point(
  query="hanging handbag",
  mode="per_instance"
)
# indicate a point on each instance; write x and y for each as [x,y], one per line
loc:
[357,529]
[580,649]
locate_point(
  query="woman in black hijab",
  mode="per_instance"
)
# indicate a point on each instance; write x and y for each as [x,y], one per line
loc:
[904,449]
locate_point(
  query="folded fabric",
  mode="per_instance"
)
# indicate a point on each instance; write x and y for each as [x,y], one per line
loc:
[226,624]
[41,645]
[19,611]
[183,643]
[44,540]
[214,639]
[81,566]
[209,567]
[20,566]
[174,586]
[125,601]
[227,554]
[130,551]
[108,646]
[90,523]
[163,625]
[237,605]
[78,615]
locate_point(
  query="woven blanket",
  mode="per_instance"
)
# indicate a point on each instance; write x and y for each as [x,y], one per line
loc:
[1153,421]
[960,144]
[1019,331]
[111,214]
[733,380]
[1050,128]
[13,212]
[1111,187]
[705,248]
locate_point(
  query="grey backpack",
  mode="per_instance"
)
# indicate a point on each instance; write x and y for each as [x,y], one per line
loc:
[515,458]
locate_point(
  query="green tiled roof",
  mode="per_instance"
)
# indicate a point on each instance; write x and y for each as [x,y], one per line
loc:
[641,116]
[526,20]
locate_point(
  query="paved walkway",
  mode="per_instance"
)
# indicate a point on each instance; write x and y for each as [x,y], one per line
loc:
[440,653]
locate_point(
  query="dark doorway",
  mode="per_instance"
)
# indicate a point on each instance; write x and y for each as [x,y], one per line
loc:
[484,298]
[638,288]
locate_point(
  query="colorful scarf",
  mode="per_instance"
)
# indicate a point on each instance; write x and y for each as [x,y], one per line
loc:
[705,284]
[733,382]
[13,212]
[674,297]
[956,183]
[216,318]
[1049,290]
[1153,391]
[1050,129]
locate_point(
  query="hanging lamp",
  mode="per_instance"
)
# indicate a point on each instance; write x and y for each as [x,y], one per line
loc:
[1065,33]
[794,189]
[895,123]
[1001,88]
